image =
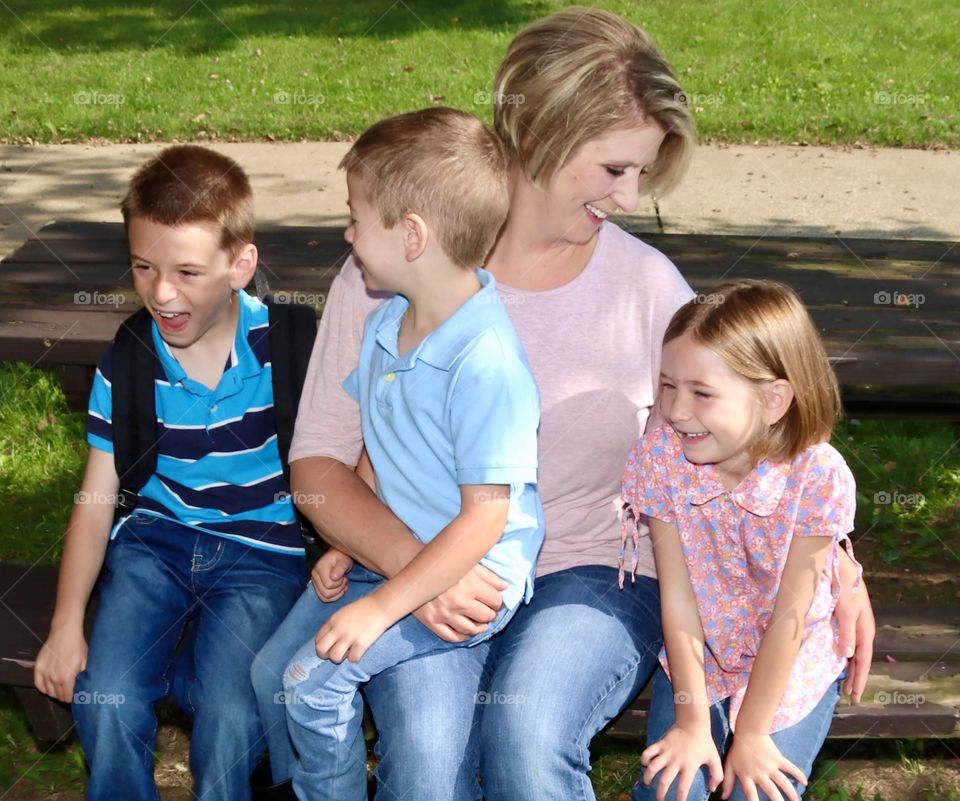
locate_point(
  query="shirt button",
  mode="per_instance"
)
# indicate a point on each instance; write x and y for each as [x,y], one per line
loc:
[389,377]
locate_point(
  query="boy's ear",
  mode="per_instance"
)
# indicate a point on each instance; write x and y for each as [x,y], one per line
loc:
[244,266]
[416,234]
[777,397]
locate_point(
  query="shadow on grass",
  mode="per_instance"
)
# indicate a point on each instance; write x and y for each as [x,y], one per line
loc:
[206,26]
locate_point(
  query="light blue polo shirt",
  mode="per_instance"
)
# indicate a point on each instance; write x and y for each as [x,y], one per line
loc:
[460,408]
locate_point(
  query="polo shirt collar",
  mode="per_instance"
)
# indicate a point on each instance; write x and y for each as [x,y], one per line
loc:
[441,347]
[759,493]
[241,355]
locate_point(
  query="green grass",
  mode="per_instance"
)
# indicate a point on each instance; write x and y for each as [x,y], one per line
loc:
[42,453]
[812,70]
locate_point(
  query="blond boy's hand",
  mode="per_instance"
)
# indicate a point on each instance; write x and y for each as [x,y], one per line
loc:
[62,657]
[329,575]
[351,630]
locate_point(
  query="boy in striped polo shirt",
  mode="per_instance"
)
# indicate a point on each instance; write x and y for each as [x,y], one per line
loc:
[213,535]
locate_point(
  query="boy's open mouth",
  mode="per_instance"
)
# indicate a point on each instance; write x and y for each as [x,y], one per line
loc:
[172,322]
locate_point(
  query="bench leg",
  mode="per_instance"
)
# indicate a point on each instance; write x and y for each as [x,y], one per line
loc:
[50,720]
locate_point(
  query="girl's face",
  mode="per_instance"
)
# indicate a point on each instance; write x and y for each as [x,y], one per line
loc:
[717,412]
[598,178]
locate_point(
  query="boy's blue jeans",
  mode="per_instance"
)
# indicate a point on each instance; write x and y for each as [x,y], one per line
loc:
[799,743]
[159,574]
[324,707]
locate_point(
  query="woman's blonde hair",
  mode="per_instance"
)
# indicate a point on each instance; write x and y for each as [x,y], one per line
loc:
[761,330]
[581,73]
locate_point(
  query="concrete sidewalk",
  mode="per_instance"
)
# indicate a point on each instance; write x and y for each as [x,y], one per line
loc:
[751,190]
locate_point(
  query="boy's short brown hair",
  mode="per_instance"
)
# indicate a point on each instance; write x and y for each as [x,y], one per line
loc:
[442,164]
[192,184]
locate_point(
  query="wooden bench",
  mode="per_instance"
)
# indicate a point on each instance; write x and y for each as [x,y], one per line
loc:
[890,316]
[888,309]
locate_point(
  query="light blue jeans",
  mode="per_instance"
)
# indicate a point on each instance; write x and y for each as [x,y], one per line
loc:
[158,575]
[799,743]
[324,707]
[532,698]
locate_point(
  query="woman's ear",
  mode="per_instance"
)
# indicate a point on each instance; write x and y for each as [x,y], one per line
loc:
[777,397]
[416,234]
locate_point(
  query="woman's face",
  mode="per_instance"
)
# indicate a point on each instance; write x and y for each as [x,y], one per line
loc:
[598,178]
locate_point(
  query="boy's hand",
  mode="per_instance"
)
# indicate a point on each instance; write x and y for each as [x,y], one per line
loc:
[467,608]
[351,630]
[61,658]
[756,761]
[679,756]
[329,575]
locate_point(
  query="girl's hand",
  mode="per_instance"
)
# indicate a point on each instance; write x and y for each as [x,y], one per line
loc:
[756,761]
[681,752]
[351,630]
[61,658]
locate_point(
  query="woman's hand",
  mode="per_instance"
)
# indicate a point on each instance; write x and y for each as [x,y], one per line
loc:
[351,630]
[756,761]
[61,658]
[467,608]
[857,626]
[329,575]
[679,755]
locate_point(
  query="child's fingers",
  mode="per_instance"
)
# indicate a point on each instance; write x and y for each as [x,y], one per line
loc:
[716,771]
[786,786]
[789,768]
[667,775]
[654,766]
[768,786]
[729,778]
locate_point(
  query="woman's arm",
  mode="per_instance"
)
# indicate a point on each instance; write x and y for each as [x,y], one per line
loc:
[689,744]
[753,758]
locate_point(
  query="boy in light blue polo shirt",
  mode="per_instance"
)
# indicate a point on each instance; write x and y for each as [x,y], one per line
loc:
[449,413]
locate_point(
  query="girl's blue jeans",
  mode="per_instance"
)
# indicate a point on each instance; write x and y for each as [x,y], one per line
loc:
[529,700]
[159,574]
[799,743]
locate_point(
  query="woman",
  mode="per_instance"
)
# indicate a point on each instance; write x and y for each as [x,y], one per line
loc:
[591,114]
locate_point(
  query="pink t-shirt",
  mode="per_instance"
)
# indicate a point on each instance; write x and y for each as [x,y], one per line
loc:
[735,546]
[594,347]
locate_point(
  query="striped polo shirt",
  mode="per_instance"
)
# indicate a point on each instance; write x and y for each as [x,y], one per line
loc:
[218,464]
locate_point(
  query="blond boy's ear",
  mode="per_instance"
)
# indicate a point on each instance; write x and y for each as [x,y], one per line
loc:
[244,266]
[416,234]
[777,397]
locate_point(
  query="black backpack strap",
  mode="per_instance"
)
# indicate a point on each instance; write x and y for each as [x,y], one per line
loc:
[134,410]
[293,328]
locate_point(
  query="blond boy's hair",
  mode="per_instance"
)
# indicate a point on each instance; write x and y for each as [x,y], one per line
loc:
[189,184]
[442,164]
[581,73]
[761,330]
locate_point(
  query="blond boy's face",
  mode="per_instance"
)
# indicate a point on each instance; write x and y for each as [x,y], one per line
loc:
[185,278]
[378,250]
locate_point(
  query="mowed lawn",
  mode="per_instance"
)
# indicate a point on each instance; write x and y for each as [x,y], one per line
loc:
[813,71]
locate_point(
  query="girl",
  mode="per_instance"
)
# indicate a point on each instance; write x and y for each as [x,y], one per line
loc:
[746,503]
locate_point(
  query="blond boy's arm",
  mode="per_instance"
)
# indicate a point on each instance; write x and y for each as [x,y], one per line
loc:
[64,654]
[440,564]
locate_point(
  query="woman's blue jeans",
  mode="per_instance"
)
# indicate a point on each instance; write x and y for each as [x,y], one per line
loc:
[529,700]
[159,574]
[799,743]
